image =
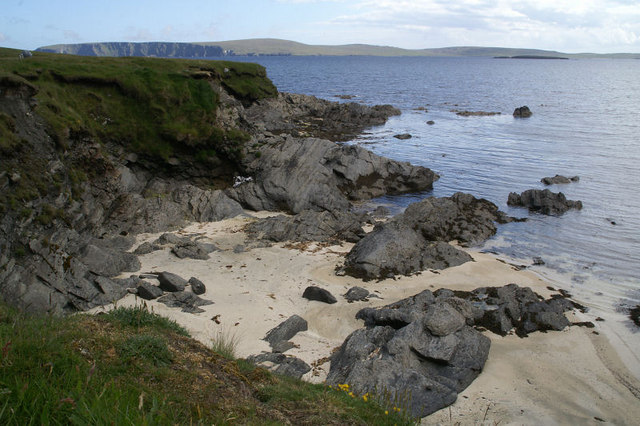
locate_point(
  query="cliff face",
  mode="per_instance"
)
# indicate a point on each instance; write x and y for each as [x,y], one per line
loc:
[155,49]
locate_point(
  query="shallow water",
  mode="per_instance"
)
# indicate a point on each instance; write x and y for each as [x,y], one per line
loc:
[585,122]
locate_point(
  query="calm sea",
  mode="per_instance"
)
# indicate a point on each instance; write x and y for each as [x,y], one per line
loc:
[585,122]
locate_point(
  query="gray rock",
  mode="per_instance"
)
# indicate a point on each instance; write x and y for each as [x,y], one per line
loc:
[191,250]
[146,248]
[558,179]
[356,294]
[318,294]
[107,261]
[442,319]
[543,201]
[197,286]
[286,330]
[186,301]
[282,346]
[171,239]
[171,282]
[314,174]
[309,226]
[148,291]
[281,364]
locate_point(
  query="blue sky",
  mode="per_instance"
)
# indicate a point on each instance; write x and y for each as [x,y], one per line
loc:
[601,26]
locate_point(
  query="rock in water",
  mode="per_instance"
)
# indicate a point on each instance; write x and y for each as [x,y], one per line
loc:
[558,179]
[543,201]
[522,112]
[403,136]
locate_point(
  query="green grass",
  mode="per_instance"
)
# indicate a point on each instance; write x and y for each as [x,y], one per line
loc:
[131,366]
[159,107]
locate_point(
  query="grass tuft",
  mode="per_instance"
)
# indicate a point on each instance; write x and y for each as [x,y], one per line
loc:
[139,316]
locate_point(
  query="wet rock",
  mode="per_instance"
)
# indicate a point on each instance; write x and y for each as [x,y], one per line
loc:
[543,201]
[522,112]
[403,136]
[558,179]
[171,282]
[319,294]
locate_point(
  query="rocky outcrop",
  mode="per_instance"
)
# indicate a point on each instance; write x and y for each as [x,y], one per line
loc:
[543,201]
[309,226]
[157,49]
[303,115]
[294,175]
[420,352]
[417,239]
[558,179]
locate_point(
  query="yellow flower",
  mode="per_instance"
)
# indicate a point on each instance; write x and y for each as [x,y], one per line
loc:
[386,412]
[365,397]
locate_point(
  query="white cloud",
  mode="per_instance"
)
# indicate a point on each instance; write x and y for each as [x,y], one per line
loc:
[550,24]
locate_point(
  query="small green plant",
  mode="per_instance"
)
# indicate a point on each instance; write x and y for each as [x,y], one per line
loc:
[145,347]
[225,343]
[139,316]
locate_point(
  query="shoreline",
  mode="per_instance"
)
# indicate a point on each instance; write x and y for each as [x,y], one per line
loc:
[555,377]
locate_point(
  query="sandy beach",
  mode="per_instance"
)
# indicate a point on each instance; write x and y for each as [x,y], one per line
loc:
[570,377]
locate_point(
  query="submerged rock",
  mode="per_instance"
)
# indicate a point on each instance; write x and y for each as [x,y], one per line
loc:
[543,201]
[558,179]
[522,112]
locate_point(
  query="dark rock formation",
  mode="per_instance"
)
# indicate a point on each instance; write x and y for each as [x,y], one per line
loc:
[522,112]
[543,201]
[281,364]
[558,179]
[475,113]
[286,330]
[416,240]
[314,174]
[422,351]
[399,353]
[403,136]
[191,250]
[197,286]
[303,115]
[148,291]
[186,301]
[171,282]
[309,225]
[357,294]
[318,294]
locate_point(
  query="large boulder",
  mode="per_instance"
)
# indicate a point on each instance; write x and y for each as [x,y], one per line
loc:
[417,239]
[420,369]
[286,330]
[543,201]
[294,175]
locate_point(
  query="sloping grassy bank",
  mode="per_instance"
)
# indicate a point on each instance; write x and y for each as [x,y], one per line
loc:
[152,106]
[131,366]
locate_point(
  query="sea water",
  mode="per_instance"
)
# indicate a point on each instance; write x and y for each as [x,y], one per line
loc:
[586,123]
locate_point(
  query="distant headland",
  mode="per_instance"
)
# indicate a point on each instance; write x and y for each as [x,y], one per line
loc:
[277,47]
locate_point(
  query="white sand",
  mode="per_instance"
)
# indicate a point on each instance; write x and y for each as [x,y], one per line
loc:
[568,377]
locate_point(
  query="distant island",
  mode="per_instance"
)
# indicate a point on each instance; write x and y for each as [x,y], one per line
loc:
[277,47]
[530,57]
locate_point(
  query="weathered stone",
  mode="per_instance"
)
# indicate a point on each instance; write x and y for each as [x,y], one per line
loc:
[522,112]
[558,179]
[281,364]
[286,330]
[186,301]
[403,136]
[148,291]
[197,286]
[356,294]
[442,319]
[191,250]
[171,282]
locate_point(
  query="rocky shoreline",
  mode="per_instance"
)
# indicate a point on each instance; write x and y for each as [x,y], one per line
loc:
[80,256]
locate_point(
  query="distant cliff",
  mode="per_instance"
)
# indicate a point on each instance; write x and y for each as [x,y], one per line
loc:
[157,49]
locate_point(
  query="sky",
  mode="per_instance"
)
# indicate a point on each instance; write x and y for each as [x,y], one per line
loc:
[571,26]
